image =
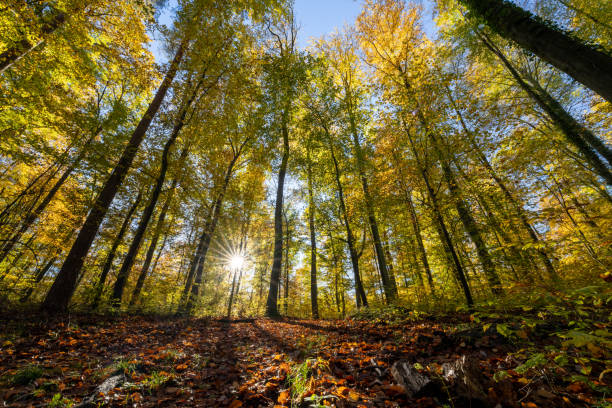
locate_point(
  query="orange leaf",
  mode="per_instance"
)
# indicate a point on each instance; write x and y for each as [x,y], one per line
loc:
[235,404]
[575,387]
[181,367]
[283,397]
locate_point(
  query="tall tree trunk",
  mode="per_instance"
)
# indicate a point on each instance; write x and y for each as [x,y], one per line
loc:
[200,255]
[231,297]
[158,228]
[360,296]
[313,242]
[130,258]
[389,284]
[287,263]
[574,132]
[63,287]
[584,63]
[416,226]
[464,214]
[443,233]
[509,196]
[113,251]
[271,303]
[469,223]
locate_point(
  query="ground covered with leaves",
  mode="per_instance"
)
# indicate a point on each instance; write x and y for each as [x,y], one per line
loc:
[530,360]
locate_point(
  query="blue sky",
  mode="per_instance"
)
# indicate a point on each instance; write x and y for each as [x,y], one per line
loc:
[319,17]
[315,18]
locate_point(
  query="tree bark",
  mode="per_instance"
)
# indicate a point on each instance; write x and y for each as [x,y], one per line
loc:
[443,233]
[271,303]
[469,223]
[389,284]
[416,227]
[113,251]
[200,255]
[63,287]
[313,242]
[574,132]
[360,296]
[587,65]
[155,239]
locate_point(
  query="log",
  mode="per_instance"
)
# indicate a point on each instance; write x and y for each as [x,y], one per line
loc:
[466,377]
[104,388]
[414,383]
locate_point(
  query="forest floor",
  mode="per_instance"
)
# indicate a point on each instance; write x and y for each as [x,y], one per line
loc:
[88,360]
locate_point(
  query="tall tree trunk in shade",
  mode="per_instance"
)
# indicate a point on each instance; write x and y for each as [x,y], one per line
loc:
[188,304]
[156,234]
[314,303]
[113,251]
[443,234]
[130,258]
[584,63]
[470,225]
[275,275]
[389,284]
[416,226]
[468,221]
[287,263]
[583,139]
[63,287]
[231,296]
[360,296]
[502,186]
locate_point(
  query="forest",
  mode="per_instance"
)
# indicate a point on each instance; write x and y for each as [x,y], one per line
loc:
[200,207]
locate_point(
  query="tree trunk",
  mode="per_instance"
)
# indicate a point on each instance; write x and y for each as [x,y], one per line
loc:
[313,243]
[464,215]
[63,287]
[231,297]
[154,240]
[360,296]
[113,251]
[584,63]
[205,238]
[416,228]
[443,233]
[287,263]
[509,196]
[271,303]
[574,132]
[469,223]
[389,284]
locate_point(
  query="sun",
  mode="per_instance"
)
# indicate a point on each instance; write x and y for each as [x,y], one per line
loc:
[236,261]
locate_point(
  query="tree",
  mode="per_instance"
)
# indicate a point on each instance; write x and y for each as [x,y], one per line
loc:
[584,63]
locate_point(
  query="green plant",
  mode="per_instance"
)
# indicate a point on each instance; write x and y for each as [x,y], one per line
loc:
[59,402]
[126,365]
[26,375]
[301,376]
[156,380]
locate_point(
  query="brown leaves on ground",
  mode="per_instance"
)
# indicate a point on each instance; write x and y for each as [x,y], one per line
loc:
[253,363]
